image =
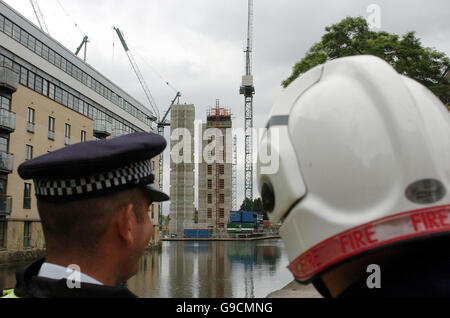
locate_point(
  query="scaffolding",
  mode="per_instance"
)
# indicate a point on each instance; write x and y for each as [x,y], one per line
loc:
[219,118]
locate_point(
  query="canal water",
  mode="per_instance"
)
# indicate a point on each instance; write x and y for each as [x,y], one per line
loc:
[234,269]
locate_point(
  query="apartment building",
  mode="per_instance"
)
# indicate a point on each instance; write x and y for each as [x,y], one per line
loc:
[50,98]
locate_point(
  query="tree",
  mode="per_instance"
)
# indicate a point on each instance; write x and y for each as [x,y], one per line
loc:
[254,206]
[247,205]
[195,219]
[259,208]
[352,36]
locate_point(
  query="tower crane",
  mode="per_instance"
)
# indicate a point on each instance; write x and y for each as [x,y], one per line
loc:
[161,123]
[83,43]
[138,73]
[43,25]
[39,16]
[248,90]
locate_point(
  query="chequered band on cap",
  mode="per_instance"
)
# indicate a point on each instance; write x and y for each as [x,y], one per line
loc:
[132,174]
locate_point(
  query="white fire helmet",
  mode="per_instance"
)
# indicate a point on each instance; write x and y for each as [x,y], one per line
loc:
[364,162]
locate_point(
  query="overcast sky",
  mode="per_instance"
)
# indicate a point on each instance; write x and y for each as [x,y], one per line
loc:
[197,45]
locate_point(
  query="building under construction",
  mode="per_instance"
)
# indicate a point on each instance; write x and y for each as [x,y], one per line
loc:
[182,173]
[215,170]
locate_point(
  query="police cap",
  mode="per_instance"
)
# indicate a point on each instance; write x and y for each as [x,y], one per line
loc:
[94,168]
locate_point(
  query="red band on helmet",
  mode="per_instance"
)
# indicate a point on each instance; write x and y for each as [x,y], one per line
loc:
[383,231]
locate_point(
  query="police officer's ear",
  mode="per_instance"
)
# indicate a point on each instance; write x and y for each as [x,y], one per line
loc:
[126,223]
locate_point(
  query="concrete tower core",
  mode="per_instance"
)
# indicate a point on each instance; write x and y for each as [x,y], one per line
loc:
[215,171]
[182,173]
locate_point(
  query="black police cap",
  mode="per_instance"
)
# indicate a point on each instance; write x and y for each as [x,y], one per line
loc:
[96,167]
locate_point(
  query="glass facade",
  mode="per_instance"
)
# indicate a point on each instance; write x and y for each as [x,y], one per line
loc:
[41,49]
[51,88]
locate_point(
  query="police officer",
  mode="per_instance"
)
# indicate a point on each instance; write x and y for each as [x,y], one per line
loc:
[93,200]
[363,184]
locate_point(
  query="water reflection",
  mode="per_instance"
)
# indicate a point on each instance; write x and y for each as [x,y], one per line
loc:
[204,269]
[212,270]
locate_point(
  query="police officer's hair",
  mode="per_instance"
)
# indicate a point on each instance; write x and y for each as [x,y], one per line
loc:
[82,224]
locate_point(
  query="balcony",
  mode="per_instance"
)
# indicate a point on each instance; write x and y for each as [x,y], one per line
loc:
[66,141]
[30,127]
[6,162]
[102,128]
[7,121]
[51,135]
[9,80]
[5,205]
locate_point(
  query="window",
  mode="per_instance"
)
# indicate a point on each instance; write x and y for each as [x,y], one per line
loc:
[38,48]
[63,64]
[51,91]
[31,79]
[76,102]
[58,94]
[38,86]
[221,184]
[27,196]
[23,38]
[67,131]
[51,124]
[58,60]
[69,68]
[209,198]
[45,51]
[153,211]
[209,184]
[51,56]
[28,152]
[221,198]
[16,32]
[51,128]
[65,98]
[31,43]
[221,169]
[8,27]
[30,120]
[67,135]
[45,87]
[26,234]
[2,232]
[83,136]
[221,213]
[209,169]
[23,76]
[209,212]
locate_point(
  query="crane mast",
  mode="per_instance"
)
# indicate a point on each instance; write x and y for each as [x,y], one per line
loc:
[161,124]
[39,16]
[248,90]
